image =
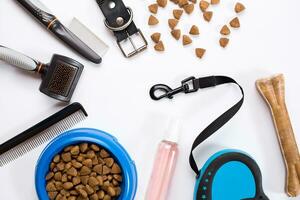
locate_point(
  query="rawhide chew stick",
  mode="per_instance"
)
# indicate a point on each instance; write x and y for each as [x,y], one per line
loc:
[273,91]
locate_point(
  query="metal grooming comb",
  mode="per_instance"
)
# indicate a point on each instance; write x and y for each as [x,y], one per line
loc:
[59,77]
[41,133]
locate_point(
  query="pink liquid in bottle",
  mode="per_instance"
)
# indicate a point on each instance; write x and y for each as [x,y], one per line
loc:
[163,168]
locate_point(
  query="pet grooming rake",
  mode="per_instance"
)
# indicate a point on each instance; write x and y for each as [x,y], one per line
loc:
[59,77]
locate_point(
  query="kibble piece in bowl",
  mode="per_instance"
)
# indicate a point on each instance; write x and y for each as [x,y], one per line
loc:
[84,171]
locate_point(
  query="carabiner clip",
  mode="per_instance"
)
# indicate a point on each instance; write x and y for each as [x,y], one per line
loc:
[160,88]
[169,92]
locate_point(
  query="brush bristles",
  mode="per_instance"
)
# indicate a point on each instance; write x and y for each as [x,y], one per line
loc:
[41,138]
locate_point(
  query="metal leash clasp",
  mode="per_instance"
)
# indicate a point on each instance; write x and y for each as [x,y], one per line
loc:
[187,86]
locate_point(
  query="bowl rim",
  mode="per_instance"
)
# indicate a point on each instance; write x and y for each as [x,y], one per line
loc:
[101,138]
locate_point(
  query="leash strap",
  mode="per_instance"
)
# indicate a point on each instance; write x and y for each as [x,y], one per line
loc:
[119,19]
[193,84]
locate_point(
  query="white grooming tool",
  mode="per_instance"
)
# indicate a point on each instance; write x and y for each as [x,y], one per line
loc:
[88,37]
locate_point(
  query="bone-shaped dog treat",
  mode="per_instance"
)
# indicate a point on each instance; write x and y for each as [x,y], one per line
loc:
[273,91]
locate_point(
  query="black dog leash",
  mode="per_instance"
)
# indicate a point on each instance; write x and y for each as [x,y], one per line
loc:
[191,85]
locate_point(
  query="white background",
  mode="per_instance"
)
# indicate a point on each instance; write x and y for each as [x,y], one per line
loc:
[115,93]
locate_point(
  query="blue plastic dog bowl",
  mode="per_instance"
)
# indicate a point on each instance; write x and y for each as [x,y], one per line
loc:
[104,140]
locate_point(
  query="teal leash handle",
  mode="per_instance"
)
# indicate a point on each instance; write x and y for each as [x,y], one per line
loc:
[203,189]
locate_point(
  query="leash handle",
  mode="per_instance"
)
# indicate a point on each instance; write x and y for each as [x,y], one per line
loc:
[191,85]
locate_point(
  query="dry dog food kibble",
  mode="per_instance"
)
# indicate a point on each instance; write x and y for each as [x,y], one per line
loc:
[194,30]
[186,40]
[158,47]
[207,15]
[172,23]
[225,30]
[152,20]
[176,33]
[177,13]
[239,7]
[200,52]
[203,5]
[182,3]
[84,172]
[214,2]
[223,42]
[189,8]
[155,37]
[162,3]
[153,8]
[235,23]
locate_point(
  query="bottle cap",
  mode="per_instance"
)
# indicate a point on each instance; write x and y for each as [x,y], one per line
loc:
[173,130]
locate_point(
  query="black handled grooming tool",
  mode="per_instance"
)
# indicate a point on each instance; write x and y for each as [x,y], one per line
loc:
[41,132]
[119,19]
[59,77]
[40,12]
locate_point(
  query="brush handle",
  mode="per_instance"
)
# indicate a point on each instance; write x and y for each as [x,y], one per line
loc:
[273,91]
[44,17]
[17,59]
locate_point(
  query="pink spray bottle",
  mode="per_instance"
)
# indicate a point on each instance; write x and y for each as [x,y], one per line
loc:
[164,164]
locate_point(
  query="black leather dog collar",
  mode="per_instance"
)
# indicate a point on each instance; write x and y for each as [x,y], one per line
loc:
[119,19]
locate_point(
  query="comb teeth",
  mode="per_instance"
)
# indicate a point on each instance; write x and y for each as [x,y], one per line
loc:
[42,137]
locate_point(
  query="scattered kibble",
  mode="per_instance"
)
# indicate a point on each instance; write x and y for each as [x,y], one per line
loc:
[235,22]
[189,8]
[225,30]
[155,37]
[203,5]
[152,20]
[214,2]
[91,174]
[176,33]
[162,3]
[177,13]
[185,5]
[153,8]
[159,46]
[186,40]
[223,42]
[207,15]
[200,52]
[172,23]
[239,7]
[194,30]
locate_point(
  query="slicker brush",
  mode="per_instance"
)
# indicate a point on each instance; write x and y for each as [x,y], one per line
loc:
[59,77]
